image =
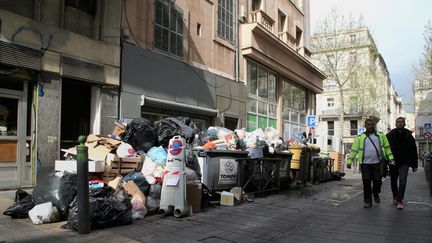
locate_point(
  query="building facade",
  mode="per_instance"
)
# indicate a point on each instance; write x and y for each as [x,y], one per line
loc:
[221,62]
[423,113]
[366,89]
[282,83]
[59,78]
[180,58]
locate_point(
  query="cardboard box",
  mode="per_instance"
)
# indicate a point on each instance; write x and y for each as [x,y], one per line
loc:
[115,183]
[193,195]
[71,166]
[227,198]
[119,129]
[132,189]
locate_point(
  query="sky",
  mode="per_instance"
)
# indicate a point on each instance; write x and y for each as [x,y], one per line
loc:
[397,27]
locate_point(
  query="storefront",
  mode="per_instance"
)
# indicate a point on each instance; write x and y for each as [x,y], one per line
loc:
[269,90]
[156,86]
[17,142]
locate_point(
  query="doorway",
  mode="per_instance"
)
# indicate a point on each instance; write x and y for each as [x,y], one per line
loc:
[75,112]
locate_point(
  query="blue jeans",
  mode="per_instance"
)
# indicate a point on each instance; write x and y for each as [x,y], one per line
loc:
[400,172]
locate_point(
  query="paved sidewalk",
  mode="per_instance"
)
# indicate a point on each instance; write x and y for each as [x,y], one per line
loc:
[328,212]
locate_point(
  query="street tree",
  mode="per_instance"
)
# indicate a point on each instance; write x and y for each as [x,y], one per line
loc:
[333,49]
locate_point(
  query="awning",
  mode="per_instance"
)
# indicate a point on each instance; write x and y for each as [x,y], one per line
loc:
[159,103]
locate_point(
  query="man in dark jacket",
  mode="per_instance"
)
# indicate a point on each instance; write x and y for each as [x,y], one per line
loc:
[404,150]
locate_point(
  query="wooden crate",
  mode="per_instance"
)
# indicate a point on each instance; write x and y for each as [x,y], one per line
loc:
[338,161]
[122,167]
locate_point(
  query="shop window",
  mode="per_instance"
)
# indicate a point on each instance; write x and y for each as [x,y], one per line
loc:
[293,109]
[330,128]
[168,28]
[225,17]
[262,98]
[353,128]
[8,116]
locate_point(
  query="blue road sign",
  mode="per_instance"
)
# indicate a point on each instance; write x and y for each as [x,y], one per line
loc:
[311,121]
[361,130]
[427,126]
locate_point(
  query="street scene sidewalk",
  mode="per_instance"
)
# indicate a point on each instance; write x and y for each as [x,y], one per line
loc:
[328,212]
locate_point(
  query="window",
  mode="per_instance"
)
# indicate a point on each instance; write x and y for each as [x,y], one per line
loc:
[330,102]
[331,59]
[298,38]
[330,128]
[353,38]
[225,26]
[293,109]
[168,28]
[88,6]
[352,57]
[198,29]
[354,109]
[282,19]
[262,97]
[256,5]
[353,128]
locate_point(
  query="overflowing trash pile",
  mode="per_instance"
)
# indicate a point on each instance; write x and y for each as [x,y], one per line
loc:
[127,169]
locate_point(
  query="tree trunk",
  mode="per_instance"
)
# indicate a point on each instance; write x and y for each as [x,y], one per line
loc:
[341,115]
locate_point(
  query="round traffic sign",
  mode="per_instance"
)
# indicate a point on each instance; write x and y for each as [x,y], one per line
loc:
[176,147]
[427,135]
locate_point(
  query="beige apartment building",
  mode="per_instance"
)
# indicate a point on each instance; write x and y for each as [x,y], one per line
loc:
[423,113]
[59,76]
[367,92]
[220,62]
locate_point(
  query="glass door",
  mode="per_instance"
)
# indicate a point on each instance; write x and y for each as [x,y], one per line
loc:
[12,139]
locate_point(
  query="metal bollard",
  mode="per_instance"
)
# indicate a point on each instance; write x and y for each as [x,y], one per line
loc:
[83,187]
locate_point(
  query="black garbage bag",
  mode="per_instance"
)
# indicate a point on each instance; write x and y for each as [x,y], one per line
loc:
[58,188]
[140,134]
[170,127]
[67,191]
[108,209]
[192,161]
[153,199]
[22,205]
[139,179]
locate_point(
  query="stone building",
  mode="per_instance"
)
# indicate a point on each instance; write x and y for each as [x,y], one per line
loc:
[59,76]
[221,62]
[368,90]
[423,112]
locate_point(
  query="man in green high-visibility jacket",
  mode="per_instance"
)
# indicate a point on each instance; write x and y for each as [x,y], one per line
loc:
[369,148]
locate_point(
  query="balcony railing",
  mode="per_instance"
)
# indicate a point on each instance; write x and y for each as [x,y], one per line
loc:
[286,37]
[263,19]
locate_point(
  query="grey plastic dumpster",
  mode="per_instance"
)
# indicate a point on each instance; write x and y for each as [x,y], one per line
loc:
[219,168]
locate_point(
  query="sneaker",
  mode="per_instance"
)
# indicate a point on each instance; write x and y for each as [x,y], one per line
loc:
[367,205]
[399,205]
[395,200]
[377,199]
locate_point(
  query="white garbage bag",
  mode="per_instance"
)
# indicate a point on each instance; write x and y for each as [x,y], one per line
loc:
[44,213]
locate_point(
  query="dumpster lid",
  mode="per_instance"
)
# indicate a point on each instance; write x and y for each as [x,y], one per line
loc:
[224,153]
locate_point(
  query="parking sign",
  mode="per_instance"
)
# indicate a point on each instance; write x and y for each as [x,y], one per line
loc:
[311,121]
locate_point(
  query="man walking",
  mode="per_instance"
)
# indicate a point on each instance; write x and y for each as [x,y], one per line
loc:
[370,147]
[405,153]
